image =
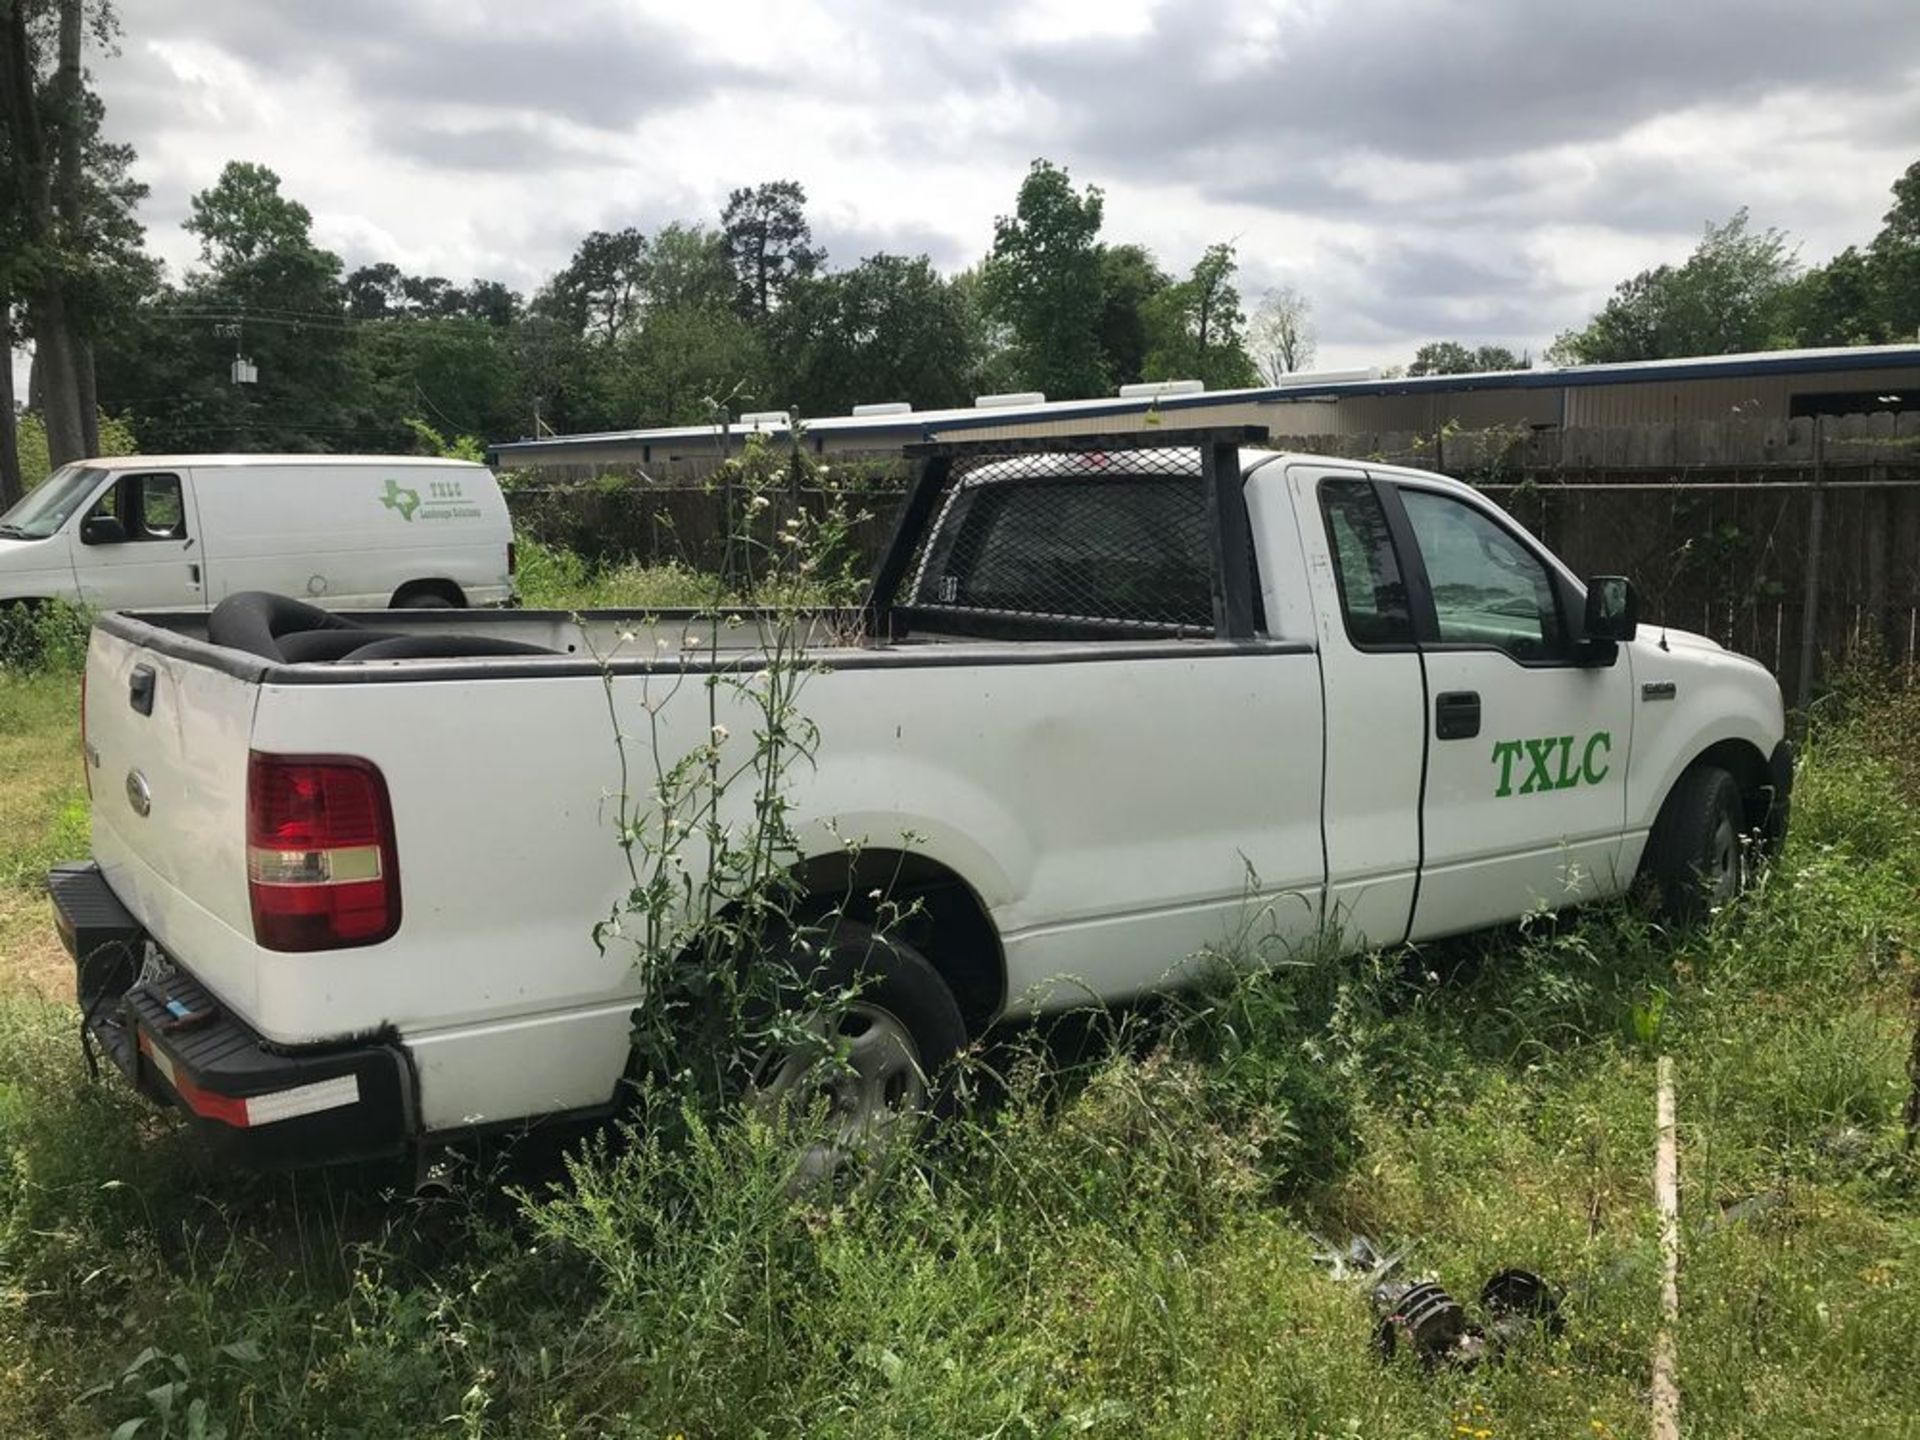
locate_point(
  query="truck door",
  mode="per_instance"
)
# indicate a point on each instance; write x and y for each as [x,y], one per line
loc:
[1373,701]
[136,547]
[1526,739]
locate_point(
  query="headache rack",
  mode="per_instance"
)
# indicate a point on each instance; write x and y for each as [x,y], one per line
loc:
[1135,536]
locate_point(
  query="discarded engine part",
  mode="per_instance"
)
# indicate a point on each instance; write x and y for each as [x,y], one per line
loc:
[1516,1303]
[1429,1322]
[1360,1261]
[1422,1317]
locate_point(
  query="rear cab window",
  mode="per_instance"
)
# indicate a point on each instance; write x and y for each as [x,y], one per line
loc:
[1073,544]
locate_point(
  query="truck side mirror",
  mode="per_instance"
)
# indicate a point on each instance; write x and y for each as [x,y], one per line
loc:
[102,530]
[1613,609]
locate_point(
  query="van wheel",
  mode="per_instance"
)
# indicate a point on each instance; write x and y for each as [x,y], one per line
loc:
[427,597]
[1696,858]
[877,1065]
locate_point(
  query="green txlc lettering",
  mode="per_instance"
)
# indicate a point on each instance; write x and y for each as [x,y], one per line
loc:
[1550,762]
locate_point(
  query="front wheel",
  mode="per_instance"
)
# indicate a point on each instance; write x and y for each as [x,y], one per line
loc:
[1696,857]
[864,1076]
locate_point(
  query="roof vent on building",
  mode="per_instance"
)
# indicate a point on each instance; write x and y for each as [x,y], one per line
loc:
[766,420]
[1149,389]
[1012,397]
[884,407]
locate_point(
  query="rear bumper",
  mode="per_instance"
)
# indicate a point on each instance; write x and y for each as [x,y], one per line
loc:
[255,1103]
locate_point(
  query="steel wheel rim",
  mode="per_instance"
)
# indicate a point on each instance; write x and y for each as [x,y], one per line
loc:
[1723,860]
[874,1096]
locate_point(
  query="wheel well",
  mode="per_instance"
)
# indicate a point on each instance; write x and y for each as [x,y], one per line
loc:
[445,589]
[1748,766]
[941,917]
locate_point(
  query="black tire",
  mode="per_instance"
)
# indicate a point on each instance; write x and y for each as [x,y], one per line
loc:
[422,598]
[898,995]
[1696,857]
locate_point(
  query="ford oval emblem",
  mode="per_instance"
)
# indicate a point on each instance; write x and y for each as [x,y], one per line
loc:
[139,794]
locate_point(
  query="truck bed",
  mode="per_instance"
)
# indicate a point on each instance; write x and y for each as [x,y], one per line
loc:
[1032,768]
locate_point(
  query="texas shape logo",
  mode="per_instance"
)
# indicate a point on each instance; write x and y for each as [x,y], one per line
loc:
[402,499]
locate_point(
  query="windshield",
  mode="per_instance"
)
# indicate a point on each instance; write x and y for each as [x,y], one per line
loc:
[48,505]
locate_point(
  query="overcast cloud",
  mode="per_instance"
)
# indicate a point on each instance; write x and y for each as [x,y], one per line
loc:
[1480,171]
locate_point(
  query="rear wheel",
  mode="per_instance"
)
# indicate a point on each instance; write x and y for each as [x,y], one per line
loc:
[426,597]
[863,1078]
[1696,856]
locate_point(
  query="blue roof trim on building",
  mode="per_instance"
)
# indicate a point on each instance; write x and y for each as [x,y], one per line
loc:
[930,424]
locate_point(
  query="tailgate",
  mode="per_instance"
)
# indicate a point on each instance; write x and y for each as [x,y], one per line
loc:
[167,742]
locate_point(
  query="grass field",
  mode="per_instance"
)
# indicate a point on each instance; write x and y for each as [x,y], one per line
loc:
[1123,1247]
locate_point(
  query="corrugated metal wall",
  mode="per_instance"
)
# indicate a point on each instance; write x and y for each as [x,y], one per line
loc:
[1758,396]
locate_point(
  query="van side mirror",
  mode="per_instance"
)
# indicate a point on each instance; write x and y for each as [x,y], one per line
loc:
[102,530]
[1613,609]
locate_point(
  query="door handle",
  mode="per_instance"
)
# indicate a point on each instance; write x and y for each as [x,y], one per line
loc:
[1456,715]
[193,572]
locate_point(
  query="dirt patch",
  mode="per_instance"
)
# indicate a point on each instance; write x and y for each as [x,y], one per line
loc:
[32,959]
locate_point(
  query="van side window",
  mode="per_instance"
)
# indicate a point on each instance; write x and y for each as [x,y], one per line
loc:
[1373,597]
[1488,589]
[152,507]
[161,508]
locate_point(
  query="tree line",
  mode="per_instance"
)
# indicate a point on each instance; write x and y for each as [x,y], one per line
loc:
[269,342]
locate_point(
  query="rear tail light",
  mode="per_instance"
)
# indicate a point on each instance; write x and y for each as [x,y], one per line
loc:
[513,558]
[322,873]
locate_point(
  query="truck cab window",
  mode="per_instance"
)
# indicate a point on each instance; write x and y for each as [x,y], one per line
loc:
[1128,550]
[1373,597]
[1488,589]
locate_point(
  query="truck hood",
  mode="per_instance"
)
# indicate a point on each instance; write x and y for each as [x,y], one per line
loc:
[1691,645]
[1678,639]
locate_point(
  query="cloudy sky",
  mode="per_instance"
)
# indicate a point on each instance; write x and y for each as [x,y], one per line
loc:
[1480,171]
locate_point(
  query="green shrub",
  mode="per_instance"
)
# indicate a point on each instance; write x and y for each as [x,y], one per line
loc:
[43,635]
[551,578]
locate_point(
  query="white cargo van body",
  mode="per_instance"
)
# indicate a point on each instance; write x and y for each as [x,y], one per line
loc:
[185,531]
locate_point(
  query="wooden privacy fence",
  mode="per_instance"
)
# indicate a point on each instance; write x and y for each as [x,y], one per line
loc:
[1794,541]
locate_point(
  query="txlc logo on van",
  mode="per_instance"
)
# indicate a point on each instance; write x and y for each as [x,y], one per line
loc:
[401,498]
[1550,754]
[444,500]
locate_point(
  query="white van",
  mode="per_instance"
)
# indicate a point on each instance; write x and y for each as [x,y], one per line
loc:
[185,531]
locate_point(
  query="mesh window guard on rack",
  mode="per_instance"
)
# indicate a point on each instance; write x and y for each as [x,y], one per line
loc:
[1087,536]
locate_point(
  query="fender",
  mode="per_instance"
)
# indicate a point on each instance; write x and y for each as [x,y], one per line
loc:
[952,822]
[1718,697]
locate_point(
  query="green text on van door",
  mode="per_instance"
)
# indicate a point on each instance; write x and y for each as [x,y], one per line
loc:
[1548,763]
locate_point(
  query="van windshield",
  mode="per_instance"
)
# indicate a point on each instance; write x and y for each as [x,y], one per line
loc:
[47,506]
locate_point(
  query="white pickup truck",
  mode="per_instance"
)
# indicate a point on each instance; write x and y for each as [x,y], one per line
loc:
[1126,701]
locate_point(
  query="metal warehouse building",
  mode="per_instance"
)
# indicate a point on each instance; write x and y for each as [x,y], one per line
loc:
[1778,385]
